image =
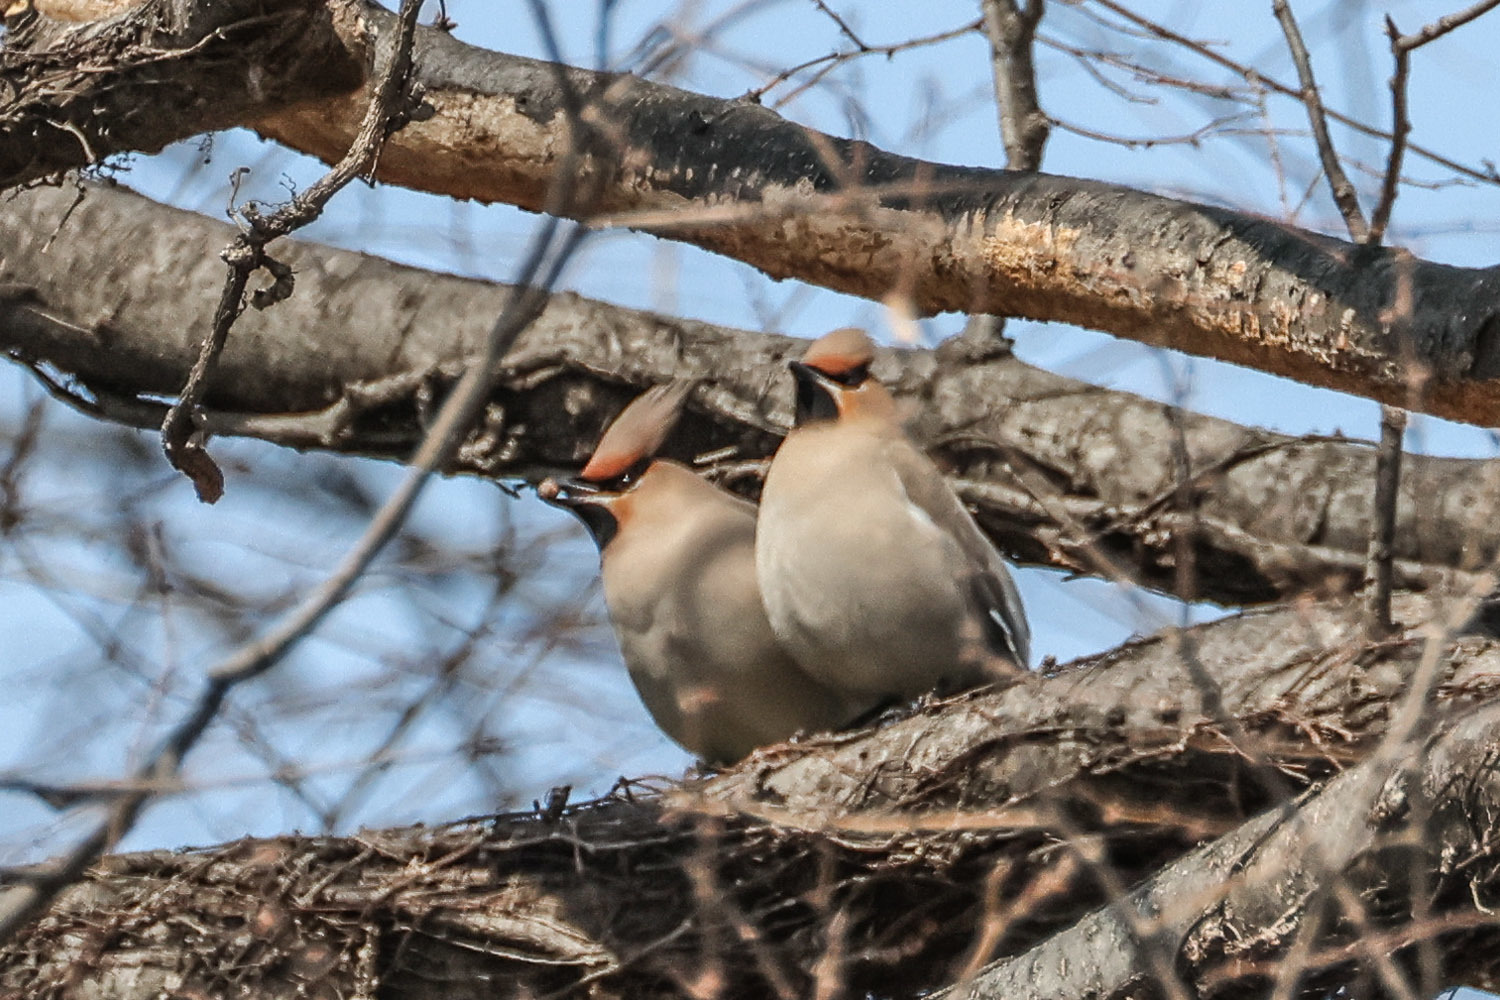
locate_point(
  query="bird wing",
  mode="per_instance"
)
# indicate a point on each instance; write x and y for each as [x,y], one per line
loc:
[988,582]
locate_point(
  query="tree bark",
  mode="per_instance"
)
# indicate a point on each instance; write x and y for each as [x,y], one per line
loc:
[738,179]
[1059,472]
[884,859]
[74,94]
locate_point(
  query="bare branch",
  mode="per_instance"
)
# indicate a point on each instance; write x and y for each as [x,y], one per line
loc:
[1275,515]
[1392,421]
[1247,894]
[843,25]
[529,904]
[1379,574]
[1485,174]
[1390,184]
[21,903]
[198,66]
[798,203]
[1011,29]
[1437,29]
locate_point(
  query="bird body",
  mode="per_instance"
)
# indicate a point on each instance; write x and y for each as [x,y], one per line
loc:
[677,558]
[874,575]
[679,582]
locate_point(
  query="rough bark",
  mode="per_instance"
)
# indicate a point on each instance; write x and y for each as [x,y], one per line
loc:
[738,179]
[874,860]
[1402,845]
[1059,472]
[74,94]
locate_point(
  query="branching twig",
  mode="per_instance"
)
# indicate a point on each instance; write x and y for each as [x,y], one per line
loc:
[1401,49]
[832,60]
[1379,556]
[387,112]
[1486,173]
[1344,195]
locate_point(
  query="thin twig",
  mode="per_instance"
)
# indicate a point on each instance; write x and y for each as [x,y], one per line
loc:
[1344,195]
[1216,127]
[1390,184]
[834,59]
[1401,49]
[1443,25]
[1487,174]
[844,28]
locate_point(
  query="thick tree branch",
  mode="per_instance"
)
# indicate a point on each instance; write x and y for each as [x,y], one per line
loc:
[886,838]
[1238,904]
[74,94]
[1059,471]
[738,179]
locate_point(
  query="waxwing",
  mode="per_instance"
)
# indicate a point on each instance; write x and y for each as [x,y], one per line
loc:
[875,577]
[677,556]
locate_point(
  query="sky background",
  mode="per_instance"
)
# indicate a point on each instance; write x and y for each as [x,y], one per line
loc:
[94,679]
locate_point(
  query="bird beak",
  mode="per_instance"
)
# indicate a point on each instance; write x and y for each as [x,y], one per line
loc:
[587,502]
[566,492]
[817,394]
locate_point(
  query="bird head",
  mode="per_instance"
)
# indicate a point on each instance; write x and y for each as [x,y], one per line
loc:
[834,383]
[600,495]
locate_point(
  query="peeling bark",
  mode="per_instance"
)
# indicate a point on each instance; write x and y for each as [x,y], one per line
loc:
[737,179]
[875,847]
[1059,472]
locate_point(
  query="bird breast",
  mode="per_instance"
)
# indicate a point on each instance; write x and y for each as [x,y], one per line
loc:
[859,582]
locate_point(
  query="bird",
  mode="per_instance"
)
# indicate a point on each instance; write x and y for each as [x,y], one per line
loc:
[875,576]
[677,559]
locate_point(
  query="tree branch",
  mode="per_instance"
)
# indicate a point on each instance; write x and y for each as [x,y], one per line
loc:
[896,831]
[738,179]
[348,363]
[1237,904]
[848,216]
[392,104]
[74,92]
[1011,29]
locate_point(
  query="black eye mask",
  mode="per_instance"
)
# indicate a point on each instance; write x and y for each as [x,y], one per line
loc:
[853,378]
[626,480]
[815,400]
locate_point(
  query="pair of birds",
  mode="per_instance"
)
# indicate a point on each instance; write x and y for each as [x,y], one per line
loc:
[863,580]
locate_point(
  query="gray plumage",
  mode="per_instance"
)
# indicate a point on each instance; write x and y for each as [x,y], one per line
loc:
[677,559]
[874,575]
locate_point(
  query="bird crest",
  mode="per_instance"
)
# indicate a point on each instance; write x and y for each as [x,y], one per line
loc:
[637,432]
[840,352]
